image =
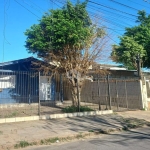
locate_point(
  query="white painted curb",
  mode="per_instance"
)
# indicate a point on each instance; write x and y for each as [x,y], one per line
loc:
[19,119]
[77,114]
[54,116]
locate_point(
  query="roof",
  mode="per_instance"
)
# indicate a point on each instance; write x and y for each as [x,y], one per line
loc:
[109,67]
[19,61]
[26,64]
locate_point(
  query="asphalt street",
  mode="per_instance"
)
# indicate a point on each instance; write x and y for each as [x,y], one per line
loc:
[137,139]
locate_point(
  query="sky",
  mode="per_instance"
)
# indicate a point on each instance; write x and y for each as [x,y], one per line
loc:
[18,15]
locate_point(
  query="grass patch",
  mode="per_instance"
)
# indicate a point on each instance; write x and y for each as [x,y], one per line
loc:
[1,132]
[79,136]
[62,139]
[14,114]
[42,142]
[72,109]
[22,144]
[91,130]
[131,123]
[51,140]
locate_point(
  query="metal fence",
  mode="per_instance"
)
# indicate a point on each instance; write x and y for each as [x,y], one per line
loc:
[118,94]
[19,93]
[29,93]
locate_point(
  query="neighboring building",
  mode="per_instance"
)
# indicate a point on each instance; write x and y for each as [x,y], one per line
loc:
[115,71]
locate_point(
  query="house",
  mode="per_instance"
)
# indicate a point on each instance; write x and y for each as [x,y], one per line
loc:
[21,82]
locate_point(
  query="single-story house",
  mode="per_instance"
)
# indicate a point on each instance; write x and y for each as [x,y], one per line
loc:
[20,82]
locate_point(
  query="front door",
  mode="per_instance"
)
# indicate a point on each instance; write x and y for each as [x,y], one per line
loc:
[48,91]
[45,88]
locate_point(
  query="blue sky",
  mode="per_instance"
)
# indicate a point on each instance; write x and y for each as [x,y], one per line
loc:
[19,15]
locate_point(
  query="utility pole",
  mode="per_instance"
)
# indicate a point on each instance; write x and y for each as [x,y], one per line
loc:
[109,96]
[78,93]
[138,61]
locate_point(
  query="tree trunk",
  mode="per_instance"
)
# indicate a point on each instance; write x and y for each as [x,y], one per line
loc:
[76,90]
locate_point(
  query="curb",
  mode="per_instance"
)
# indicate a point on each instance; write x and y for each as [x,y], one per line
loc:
[77,114]
[54,116]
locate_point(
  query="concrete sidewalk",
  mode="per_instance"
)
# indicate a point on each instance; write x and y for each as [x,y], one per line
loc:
[34,131]
[136,114]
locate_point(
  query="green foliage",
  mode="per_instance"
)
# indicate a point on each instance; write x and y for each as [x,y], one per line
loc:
[13,114]
[61,28]
[51,140]
[69,39]
[91,130]
[22,144]
[136,40]
[1,132]
[127,51]
[72,109]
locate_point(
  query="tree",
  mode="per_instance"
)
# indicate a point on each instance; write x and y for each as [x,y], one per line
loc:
[69,39]
[136,40]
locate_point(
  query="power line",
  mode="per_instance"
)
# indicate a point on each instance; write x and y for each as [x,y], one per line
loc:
[111,39]
[112,13]
[113,8]
[100,23]
[56,4]
[37,6]
[106,20]
[4,28]
[113,21]
[111,16]
[139,4]
[27,9]
[30,5]
[114,18]
[147,1]
[124,5]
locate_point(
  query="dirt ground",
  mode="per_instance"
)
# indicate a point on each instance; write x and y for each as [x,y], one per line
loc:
[21,110]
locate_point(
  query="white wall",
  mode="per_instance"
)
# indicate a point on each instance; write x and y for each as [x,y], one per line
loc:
[7,82]
[45,88]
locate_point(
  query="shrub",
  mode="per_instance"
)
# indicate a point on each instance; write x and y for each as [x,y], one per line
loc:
[72,109]
[22,144]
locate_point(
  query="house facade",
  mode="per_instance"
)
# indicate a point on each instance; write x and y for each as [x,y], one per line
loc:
[21,82]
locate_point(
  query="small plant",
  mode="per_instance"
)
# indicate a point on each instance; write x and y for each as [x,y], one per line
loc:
[22,144]
[14,114]
[42,142]
[1,132]
[91,130]
[72,109]
[78,136]
[52,140]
